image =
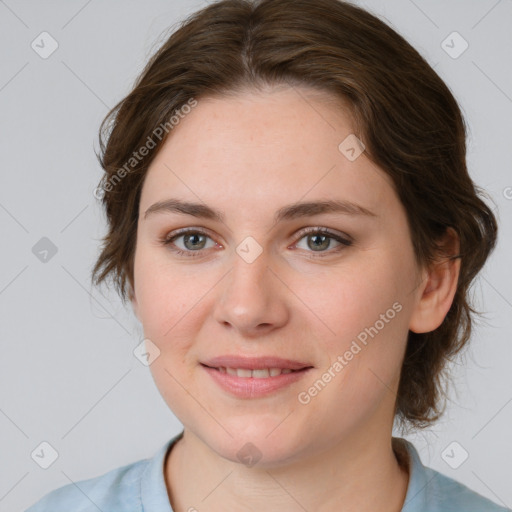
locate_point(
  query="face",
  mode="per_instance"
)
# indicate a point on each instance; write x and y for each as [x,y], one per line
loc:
[333,290]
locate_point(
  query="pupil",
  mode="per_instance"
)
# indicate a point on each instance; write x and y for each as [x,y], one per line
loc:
[324,238]
[189,237]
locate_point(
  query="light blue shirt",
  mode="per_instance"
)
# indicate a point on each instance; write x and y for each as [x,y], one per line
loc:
[140,487]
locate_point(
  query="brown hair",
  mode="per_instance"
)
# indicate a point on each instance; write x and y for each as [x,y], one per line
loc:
[406,116]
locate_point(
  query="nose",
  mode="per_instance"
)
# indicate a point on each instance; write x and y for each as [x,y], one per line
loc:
[252,298]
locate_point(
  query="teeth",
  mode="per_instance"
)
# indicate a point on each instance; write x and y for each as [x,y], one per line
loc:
[260,374]
[257,374]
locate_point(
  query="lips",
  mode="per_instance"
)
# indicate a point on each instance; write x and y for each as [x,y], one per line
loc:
[255,363]
[251,383]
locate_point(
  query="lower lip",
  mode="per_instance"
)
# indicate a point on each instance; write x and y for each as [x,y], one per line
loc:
[251,387]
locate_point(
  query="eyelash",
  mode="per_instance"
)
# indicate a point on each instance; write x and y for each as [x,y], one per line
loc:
[168,240]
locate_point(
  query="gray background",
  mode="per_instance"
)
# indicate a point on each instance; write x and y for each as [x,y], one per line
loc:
[67,372]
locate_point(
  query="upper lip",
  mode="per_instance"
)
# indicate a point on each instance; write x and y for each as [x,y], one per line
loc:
[254,363]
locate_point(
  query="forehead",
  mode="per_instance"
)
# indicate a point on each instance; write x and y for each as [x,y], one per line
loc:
[264,147]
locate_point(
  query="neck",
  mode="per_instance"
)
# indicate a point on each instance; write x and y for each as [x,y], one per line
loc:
[360,473]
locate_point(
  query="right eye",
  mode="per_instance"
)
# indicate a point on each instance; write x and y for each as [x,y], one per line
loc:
[194,241]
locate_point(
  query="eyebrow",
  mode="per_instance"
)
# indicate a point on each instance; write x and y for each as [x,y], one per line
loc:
[289,212]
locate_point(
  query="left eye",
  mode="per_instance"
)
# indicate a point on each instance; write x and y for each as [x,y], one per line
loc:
[319,239]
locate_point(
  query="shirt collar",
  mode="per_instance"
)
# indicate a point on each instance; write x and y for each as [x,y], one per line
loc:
[416,496]
[153,489]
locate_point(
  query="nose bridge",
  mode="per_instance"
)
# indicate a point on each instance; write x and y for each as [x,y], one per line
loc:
[250,296]
[248,281]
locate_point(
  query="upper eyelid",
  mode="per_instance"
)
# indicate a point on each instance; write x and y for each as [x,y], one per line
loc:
[184,231]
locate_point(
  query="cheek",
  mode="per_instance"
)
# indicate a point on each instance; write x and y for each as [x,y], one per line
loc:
[165,297]
[350,298]
[363,318]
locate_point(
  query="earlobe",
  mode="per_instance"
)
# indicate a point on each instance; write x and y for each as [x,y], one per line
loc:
[439,288]
[135,308]
[135,305]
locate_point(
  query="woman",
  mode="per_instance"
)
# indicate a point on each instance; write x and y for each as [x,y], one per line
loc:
[292,220]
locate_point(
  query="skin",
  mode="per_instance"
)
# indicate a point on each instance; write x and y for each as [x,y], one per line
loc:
[248,155]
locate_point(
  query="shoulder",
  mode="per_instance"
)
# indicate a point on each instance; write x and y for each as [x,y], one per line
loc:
[450,495]
[134,487]
[431,491]
[114,490]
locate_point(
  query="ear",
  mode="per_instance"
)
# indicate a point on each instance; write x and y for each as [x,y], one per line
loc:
[438,286]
